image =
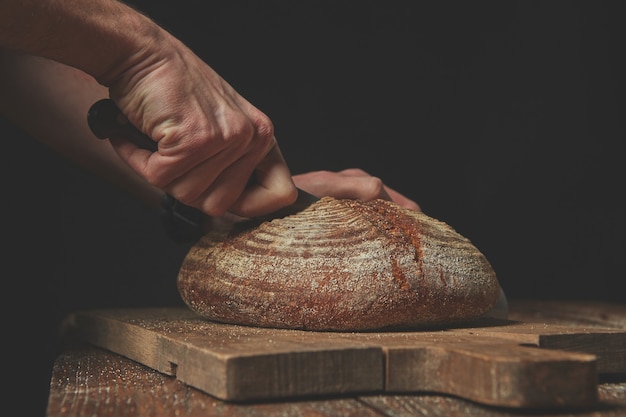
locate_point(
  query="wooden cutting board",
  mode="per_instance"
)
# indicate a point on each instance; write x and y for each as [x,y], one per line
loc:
[495,362]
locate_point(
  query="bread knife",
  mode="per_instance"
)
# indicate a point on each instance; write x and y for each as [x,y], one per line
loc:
[182,223]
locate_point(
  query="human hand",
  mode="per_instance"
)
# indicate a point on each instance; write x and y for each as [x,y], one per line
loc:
[351,183]
[211,141]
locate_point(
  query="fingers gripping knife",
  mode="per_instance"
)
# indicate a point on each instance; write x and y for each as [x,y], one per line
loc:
[181,222]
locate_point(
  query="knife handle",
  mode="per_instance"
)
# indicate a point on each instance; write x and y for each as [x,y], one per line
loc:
[182,223]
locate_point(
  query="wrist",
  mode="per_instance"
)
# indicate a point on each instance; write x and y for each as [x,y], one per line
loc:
[133,41]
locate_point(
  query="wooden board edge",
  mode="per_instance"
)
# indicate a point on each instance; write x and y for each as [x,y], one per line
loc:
[509,376]
[340,368]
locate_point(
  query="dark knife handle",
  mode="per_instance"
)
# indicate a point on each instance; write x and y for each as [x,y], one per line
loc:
[182,223]
[107,121]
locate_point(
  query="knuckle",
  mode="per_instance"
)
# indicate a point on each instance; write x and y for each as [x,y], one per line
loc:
[240,130]
[157,179]
[354,172]
[288,195]
[185,196]
[325,176]
[264,127]
[374,187]
[264,134]
[213,208]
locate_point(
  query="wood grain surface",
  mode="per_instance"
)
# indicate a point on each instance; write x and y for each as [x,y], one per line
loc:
[88,381]
[497,362]
[582,313]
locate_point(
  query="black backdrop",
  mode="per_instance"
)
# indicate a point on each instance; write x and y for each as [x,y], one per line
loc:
[504,119]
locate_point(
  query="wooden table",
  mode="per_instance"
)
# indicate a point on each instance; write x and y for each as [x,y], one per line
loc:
[89,381]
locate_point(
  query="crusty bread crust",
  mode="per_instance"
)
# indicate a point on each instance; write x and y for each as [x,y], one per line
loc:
[339,265]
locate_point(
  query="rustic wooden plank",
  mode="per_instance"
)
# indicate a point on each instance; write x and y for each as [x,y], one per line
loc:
[577,313]
[243,363]
[496,374]
[485,369]
[87,381]
[446,406]
[608,345]
[236,363]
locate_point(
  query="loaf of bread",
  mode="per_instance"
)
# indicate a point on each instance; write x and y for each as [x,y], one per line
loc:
[342,265]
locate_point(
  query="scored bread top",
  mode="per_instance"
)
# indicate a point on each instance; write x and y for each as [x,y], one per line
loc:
[339,265]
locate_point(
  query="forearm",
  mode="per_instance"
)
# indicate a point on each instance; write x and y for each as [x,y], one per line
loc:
[210,140]
[50,101]
[99,37]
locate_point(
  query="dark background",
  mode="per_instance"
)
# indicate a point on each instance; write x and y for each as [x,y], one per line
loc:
[503,119]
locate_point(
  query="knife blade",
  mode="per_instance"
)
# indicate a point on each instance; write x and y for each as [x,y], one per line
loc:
[181,222]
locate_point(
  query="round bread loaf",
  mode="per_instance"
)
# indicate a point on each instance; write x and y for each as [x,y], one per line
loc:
[340,265]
